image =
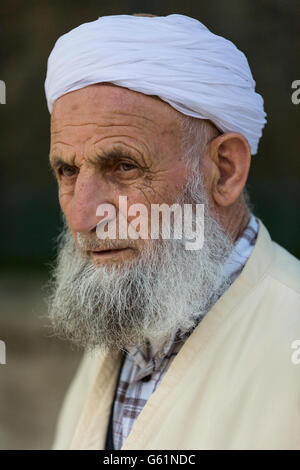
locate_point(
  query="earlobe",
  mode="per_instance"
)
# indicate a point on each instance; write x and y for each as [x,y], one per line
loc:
[231,155]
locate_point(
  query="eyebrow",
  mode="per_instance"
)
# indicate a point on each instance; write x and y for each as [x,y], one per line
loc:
[104,157]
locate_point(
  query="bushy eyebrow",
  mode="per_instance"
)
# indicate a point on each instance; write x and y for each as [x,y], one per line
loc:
[55,161]
[102,158]
[113,155]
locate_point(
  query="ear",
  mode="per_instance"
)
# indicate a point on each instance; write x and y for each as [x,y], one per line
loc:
[230,154]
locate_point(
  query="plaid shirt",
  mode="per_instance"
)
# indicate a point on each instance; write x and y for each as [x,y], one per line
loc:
[143,369]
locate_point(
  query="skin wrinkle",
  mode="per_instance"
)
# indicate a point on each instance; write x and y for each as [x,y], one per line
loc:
[55,121]
[117,304]
[94,124]
[154,139]
[101,140]
[125,304]
[142,155]
[153,288]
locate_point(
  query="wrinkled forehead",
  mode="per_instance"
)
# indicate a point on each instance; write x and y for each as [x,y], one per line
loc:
[108,101]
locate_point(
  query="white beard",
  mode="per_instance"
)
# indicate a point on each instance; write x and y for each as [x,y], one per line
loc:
[149,299]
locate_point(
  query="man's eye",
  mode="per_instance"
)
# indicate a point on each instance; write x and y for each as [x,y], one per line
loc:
[67,171]
[124,166]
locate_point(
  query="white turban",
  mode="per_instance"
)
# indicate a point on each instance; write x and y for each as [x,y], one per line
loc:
[174,57]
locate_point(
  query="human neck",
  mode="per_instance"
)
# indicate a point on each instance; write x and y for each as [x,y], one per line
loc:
[235,218]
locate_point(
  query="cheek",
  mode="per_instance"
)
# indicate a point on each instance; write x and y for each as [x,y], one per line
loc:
[161,191]
[172,184]
[64,199]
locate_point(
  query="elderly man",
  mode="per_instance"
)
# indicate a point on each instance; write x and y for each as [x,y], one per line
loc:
[183,348]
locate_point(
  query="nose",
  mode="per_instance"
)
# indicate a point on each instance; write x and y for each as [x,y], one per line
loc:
[90,190]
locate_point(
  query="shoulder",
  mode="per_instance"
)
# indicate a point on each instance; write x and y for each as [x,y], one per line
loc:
[285,268]
[269,288]
[271,261]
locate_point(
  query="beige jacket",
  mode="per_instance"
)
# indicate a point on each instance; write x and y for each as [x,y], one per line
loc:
[233,385]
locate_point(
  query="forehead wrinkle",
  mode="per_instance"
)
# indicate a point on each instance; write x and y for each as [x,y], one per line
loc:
[116,146]
[93,124]
[61,143]
[112,118]
[141,140]
[138,116]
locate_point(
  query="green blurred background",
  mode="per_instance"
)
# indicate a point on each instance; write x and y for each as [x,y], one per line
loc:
[38,368]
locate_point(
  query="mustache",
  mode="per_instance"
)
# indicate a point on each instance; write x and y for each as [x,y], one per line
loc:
[90,243]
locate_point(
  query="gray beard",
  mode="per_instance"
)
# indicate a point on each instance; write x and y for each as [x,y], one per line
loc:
[162,292]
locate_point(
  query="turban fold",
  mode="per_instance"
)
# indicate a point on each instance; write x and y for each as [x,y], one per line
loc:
[174,57]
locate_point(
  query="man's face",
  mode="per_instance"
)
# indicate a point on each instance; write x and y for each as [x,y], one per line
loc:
[106,142]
